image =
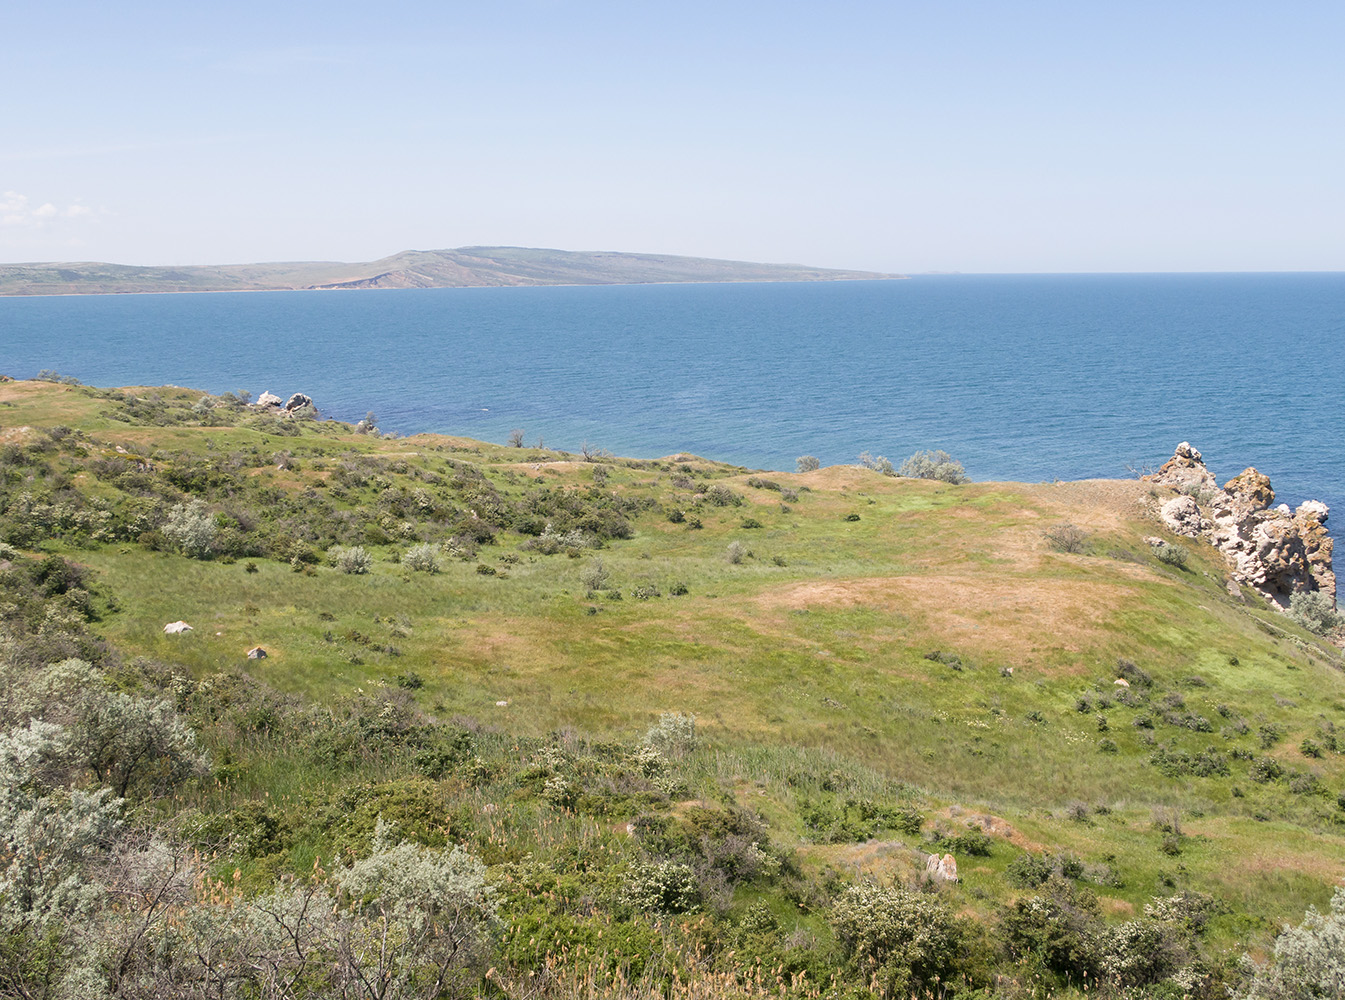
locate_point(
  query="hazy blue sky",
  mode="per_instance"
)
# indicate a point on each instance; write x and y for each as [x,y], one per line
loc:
[1013,136]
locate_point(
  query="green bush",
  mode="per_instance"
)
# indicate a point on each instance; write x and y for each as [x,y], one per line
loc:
[674,735]
[661,887]
[1058,929]
[1171,555]
[720,495]
[906,940]
[878,464]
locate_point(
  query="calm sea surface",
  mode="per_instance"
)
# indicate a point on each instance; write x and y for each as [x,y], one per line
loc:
[1021,377]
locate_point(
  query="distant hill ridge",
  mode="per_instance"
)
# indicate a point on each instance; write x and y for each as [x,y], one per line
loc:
[461,268]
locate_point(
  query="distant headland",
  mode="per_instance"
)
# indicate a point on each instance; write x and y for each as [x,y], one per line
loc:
[464,267]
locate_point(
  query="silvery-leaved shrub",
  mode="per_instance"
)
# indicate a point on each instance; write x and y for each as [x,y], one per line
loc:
[1309,962]
[1314,610]
[191,527]
[594,575]
[933,465]
[808,463]
[877,464]
[422,558]
[351,560]
[674,735]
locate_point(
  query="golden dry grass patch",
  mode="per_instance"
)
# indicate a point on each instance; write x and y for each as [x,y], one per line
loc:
[979,611]
[888,860]
[995,826]
[1096,504]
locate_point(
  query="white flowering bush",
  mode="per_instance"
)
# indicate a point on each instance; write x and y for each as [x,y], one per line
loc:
[906,938]
[662,887]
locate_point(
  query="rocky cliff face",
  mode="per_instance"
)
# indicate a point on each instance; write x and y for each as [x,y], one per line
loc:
[1274,550]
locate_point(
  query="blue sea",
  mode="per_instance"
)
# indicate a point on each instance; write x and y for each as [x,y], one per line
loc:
[1020,377]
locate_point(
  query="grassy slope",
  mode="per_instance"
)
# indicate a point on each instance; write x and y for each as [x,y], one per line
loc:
[821,649]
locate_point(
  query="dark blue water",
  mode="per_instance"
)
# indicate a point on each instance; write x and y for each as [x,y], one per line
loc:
[1020,377]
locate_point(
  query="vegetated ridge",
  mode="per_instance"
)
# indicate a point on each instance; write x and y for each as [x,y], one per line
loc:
[297,709]
[461,268]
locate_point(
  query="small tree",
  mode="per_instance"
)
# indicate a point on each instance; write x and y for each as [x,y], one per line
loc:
[516,438]
[807,463]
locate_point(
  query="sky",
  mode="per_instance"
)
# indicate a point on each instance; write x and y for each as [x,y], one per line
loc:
[1186,135]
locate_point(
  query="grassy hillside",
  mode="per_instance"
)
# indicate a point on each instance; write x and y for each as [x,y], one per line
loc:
[461,268]
[878,668]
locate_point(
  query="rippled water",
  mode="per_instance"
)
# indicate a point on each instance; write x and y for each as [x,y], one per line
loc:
[1021,377]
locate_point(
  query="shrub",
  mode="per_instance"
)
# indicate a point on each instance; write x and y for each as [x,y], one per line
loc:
[933,465]
[1028,871]
[352,560]
[1315,611]
[879,464]
[1171,555]
[422,558]
[1066,537]
[1059,929]
[1309,960]
[910,939]
[735,553]
[594,575]
[674,735]
[971,841]
[751,522]
[1135,675]
[807,463]
[1265,770]
[662,887]
[191,527]
[721,496]
[551,541]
